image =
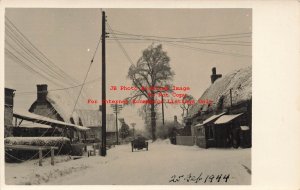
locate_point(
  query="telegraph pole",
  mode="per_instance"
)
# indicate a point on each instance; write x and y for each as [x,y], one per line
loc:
[230,91]
[103,144]
[162,110]
[116,109]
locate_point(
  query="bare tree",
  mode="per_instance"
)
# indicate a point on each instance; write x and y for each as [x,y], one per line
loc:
[151,75]
[185,106]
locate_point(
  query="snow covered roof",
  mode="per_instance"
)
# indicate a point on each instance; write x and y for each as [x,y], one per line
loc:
[240,81]
[90,118]
[30,124]
[93,118]
[63,102]
[24,114]
[211,118]
[226,118]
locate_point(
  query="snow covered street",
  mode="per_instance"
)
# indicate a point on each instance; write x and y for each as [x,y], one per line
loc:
[163,164]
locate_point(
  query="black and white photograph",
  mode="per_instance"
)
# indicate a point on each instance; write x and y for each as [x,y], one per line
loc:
[145,93]
[133,96]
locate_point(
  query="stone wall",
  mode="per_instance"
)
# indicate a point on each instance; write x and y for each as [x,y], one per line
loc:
[185,140]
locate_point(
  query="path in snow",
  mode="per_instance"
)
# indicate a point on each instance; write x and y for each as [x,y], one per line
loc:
[153,167]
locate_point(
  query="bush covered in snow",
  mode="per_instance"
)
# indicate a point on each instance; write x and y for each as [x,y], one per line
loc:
[37,141]
[13,155]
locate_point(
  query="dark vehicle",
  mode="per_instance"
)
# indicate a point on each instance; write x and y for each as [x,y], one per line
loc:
[139,143]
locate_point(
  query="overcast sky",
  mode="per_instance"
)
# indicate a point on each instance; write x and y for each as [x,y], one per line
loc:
[68,37]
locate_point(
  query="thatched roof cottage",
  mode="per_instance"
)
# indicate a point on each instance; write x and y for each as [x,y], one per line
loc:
[218,123]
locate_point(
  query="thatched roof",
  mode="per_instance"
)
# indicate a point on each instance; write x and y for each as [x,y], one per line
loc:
[93,118]
[64,101]
[240,81]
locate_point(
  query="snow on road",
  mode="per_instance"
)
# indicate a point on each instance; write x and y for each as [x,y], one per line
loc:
[163,164]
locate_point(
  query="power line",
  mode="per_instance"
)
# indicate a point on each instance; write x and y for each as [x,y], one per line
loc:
[30,61]
[34,58]
[197,48]
[92,60]
[175,43]
[195,42]
[223,39]
[233,35]
[208,50]
[58,89]
[27,67]
[62,73]
[30,54]
[121,46]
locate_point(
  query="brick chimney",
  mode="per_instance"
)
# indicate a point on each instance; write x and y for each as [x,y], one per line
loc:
[175,119]
[8,111]
[214,76]
[42,91]
[9,97]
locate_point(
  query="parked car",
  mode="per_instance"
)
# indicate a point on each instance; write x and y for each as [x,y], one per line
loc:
[139,143]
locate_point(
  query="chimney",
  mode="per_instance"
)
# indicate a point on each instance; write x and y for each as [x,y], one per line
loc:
[42,91]
[214,76]
[9,97]
[8,111]
[175,119]
[214,71]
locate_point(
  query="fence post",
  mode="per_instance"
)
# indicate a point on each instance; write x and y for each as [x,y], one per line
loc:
[94,147]
[40,156]
[52,156]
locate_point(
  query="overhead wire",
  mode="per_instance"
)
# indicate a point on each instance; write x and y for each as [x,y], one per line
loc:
[59,89]
[120,45]
[220,39]
[11,54]
[58,69]
[232,35]
[28,67]
[178,43]
[91,62]
[34,60]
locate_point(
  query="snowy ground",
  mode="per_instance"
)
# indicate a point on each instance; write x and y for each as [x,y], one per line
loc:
[163,164]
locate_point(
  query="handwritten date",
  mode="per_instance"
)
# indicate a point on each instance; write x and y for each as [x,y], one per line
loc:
[200,178]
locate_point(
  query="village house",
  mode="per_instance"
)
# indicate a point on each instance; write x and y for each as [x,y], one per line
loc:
[227,121]
[93,120]
[51,108]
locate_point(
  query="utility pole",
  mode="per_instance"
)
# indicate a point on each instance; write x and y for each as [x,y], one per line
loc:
[116,109]
[162,110]
[230,97]
[103,144]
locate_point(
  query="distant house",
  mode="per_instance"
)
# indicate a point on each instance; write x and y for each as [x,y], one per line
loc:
[177,129]
[227,120]
[93,120]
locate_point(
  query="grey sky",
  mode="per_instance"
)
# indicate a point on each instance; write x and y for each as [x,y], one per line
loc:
[69,37]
